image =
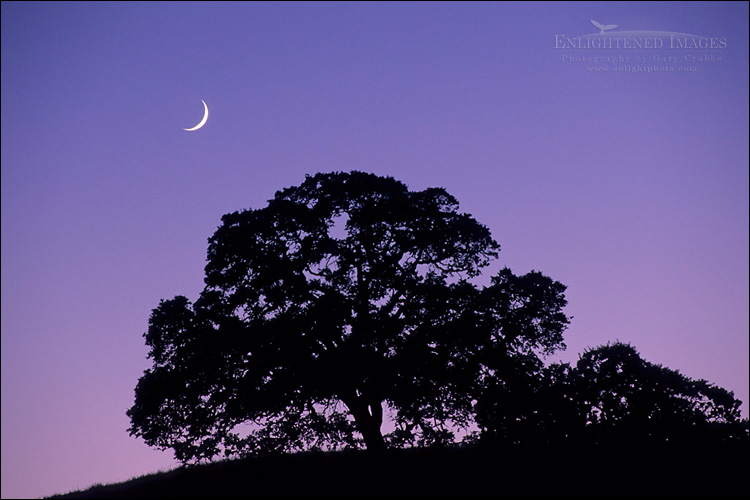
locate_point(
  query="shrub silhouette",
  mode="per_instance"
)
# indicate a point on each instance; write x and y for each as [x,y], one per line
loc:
[345,297]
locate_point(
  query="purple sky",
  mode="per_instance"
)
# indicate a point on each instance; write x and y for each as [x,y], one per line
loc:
[629,187]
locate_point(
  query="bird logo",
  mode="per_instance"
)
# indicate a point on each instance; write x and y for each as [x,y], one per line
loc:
[603,27]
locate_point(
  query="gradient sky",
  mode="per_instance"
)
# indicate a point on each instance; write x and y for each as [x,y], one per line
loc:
[629,187]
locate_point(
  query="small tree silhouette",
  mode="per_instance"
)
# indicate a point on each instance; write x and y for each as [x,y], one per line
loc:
[345,297]
[612,397]
[623,398]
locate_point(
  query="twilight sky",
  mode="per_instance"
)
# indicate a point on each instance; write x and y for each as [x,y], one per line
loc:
[630,187]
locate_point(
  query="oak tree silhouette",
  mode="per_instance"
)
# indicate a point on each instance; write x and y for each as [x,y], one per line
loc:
[623,398]
[611,398]
[346,297]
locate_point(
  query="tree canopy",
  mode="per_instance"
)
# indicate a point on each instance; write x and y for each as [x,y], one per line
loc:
[346,297]
[622,397]
[610,397]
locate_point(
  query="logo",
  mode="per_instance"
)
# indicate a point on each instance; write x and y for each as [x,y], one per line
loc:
[615,50]
[607,39]
[603,28]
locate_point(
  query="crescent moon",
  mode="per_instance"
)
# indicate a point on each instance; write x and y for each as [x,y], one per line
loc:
[203,121]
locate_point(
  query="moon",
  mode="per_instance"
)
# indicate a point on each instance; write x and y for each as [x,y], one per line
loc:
[203,121]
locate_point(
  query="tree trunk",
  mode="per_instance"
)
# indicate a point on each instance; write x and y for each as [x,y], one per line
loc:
[369,418]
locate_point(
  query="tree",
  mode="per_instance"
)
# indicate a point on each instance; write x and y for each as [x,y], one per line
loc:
[611,397]
[623,398]
[345,297]
[526,404]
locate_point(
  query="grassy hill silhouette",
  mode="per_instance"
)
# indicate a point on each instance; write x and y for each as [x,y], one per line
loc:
[459,472]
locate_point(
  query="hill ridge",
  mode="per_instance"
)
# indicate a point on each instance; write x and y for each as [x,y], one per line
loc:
[457,472]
